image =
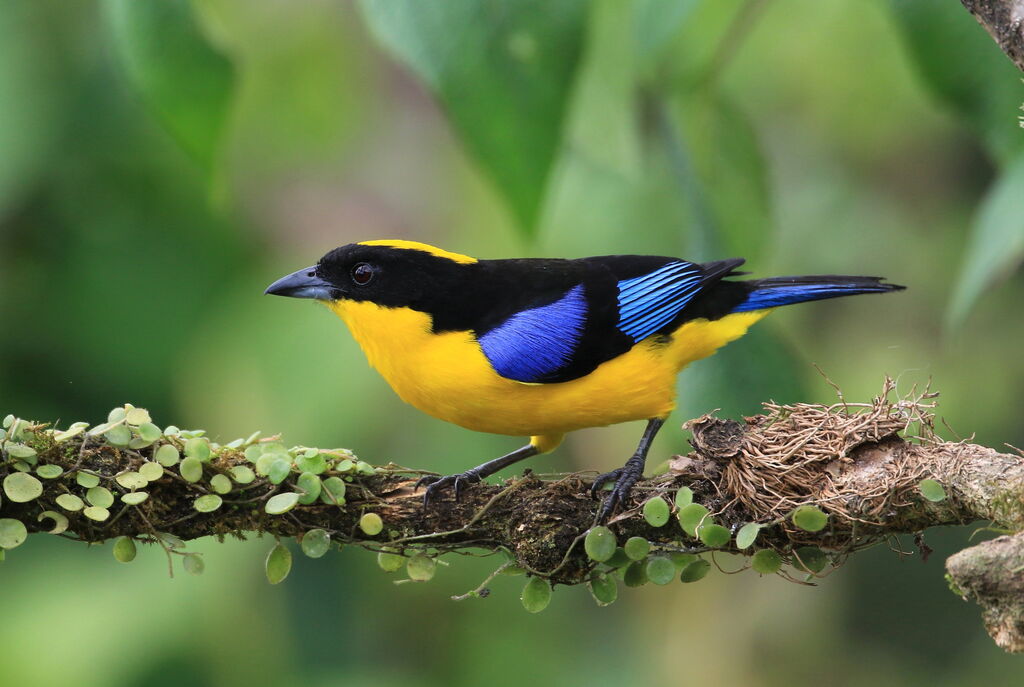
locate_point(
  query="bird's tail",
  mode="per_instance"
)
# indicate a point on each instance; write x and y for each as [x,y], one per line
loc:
[776,291]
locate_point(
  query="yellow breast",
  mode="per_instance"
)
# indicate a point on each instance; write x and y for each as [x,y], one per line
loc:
[447,375]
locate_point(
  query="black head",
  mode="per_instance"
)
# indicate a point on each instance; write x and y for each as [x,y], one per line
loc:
[389,273]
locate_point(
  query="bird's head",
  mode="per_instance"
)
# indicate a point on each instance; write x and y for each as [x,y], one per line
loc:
[390,273]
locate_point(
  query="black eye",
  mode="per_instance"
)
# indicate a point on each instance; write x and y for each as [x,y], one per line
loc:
[362,273]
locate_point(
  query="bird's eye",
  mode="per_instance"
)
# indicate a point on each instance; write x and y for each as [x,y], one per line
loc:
[362,273]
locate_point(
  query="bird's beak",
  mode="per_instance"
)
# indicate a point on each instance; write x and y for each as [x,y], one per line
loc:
[304,284]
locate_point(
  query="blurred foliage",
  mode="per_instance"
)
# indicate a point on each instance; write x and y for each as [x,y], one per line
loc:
[877,137]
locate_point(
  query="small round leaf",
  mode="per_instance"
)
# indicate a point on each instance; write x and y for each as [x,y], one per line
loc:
[684,497]
[536,595]
[281,503]
[193,564]
[86,479]
[714,536]
[636,574]
[390,562]
[60,521]
[191,469]
[208,503]
[747,535]
[279,564]
[198,448]
[809,559]
[49,471]
[599,543]
[604,589]
[22,487]
[766,561]
[242,474]
[310,485]
[124,549]
[931,490]
[637,548]
[12,533]
[809,518]
[661,569]
[70,502]
[371,524]
[695,571]
[100,496]
[167,455]
[316,543]
[420,568]
[97,513]
[656,511]
[151,471]
[220,484]
[134,498]
[691,516]
[333,491]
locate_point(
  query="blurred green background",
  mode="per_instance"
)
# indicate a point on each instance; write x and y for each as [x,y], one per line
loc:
[161,162]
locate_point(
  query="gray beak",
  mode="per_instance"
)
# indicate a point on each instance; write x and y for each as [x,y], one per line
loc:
[304,284]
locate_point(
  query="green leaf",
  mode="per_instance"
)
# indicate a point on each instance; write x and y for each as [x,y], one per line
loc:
[191,469]
[691,516]
[390,562]
[333,491]
[193,564]
[12,533]
[279,471]
[281,503]
[931,490]
[810,559]
[766,561]
[315,464]
[747,535]
[22,487]
[149,432]
[279,564]
[211,502]
[86,479]
[100,496]
[421,568]
[181,78]
[167,455]
[316,543]
[636,574]
[198,448]
[138,417]
[97,513]
[503,70]
[70,502]
[809,518]
[371,524]
[996,245]
[220,484]
[49,471]
[695,571]
[604,589]
[242,474]
[129,479]
[60,521]
[311,487]
[124,549]
[637,548]
[656,511]
[714,536]
[536,595]
[119,436]
[132,498]
[661,570]
[684,497]
[151,472]
[599,543]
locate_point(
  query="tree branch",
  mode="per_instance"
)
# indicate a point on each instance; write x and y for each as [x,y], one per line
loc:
[1004,21]
[848,461]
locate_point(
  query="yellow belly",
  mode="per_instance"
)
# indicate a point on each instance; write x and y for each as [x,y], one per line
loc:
[448,376]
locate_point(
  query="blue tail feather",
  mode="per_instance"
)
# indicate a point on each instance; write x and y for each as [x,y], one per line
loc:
[771,293]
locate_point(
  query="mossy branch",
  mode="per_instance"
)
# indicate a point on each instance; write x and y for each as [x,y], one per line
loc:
[817,482]
[1004,21]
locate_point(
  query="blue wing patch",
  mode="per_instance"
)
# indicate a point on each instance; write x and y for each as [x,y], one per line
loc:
[649,302]
[535,343]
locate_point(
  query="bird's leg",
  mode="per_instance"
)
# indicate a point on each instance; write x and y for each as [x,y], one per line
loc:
[628,475]
[436,484]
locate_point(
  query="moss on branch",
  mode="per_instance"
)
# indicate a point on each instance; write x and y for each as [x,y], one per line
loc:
[795,490]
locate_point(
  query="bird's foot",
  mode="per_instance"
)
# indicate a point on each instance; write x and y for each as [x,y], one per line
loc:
[625,477]
[436,484]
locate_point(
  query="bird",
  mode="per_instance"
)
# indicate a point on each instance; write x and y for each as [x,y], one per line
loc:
[540,347]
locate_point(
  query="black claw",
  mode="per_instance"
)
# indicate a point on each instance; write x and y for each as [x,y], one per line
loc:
[625,477]
[436,484]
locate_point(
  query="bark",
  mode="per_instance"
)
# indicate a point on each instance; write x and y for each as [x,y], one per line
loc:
[857,470]
[1004,21]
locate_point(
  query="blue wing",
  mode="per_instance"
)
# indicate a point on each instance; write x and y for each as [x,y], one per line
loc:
[536,343]
[649,302]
